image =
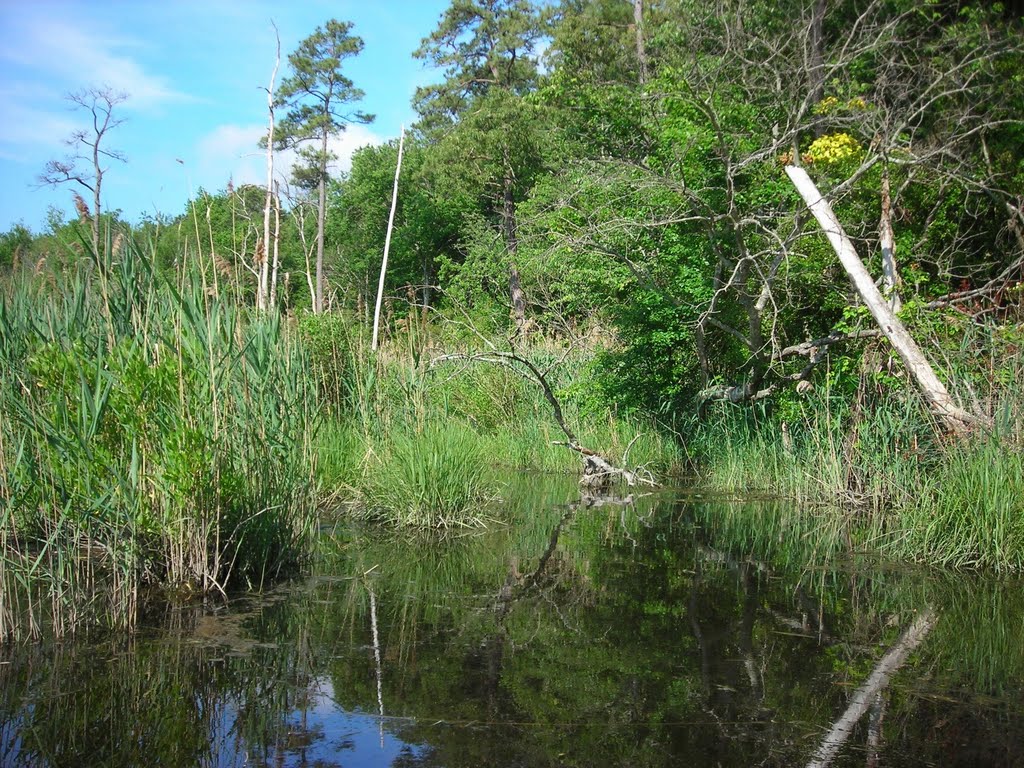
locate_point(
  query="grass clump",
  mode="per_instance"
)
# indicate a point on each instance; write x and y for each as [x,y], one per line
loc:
[432,478]
[970,514]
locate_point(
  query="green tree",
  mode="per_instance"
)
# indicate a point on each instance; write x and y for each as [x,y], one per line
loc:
[488,50]
[15,247]
[320,100]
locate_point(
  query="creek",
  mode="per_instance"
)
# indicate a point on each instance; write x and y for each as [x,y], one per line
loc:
[672,629]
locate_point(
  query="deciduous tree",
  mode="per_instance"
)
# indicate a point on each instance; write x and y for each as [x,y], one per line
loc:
[89,150]
[488,50]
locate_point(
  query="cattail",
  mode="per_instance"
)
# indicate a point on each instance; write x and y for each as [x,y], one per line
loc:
[82,207]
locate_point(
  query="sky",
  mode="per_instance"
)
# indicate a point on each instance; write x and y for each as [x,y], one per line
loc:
[196,75]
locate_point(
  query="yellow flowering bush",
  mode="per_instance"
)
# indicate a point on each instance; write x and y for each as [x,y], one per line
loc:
[832,148]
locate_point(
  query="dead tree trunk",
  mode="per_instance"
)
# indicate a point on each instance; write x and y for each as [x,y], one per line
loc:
[935,393]
[387,241]
[277,245]
[598,472]
[263,290]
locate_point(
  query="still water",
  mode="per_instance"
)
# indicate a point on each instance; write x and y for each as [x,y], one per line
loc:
[670,630]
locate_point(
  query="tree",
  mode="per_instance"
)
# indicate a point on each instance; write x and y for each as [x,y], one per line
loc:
[15,245]
[887,106]
[87,144]
[488,51]
[319,98]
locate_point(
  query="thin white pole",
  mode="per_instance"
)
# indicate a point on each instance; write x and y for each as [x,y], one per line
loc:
[387,240]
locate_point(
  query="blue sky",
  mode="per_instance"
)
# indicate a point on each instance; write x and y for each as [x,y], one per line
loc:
[195,74]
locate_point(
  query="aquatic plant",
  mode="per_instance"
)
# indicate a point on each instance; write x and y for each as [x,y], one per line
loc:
[433,478]
[151,434]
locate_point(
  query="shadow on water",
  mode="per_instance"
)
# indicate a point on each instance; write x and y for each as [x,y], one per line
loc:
[670,629]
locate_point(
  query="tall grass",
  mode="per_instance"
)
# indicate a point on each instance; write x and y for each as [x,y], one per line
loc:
[151,435]
[431,479]
[876,468]
[411,443]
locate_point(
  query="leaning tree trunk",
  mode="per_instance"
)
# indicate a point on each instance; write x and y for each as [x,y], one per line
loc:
[887,245]
[939,400]
[864,697]
[387,242]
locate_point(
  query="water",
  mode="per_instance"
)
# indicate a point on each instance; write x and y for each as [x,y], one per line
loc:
[657,633]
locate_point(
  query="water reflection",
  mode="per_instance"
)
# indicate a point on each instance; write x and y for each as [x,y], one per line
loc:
[654,631]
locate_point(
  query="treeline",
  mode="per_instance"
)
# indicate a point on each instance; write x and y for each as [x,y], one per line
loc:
[621,164]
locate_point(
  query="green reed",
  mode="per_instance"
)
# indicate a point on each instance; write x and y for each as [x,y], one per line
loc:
[433,478]
[152,435]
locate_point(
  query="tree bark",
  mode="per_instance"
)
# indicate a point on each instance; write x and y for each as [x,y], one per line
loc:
[321,218]
[887,244]
[96,190]
[638,27]
[938,398]
[263,291]
[277,244]
[816,55]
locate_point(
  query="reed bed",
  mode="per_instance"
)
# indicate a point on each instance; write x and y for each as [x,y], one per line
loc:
[152,437]
[882,475]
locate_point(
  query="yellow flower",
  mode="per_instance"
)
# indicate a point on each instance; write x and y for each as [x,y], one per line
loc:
[831,148]
[826,105]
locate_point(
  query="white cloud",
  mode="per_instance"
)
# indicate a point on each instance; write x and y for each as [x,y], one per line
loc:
[232,152]
[25,125]
[44,56]
[79,56]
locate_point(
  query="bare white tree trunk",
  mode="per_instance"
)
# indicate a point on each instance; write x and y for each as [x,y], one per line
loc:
[277,244]
[387,240]
[939,400]
[376,658]
[263,291]
[876,682]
